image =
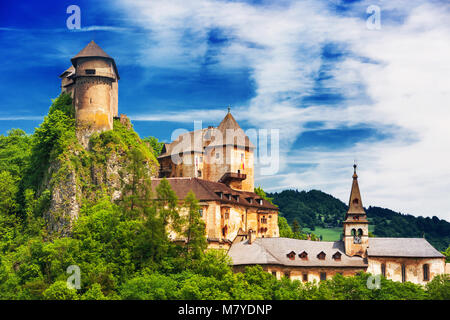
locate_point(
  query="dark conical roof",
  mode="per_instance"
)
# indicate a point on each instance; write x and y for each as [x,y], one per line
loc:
[94,50]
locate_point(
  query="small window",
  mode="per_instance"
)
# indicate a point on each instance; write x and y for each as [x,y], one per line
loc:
[200,211]
[291,255]
[426,272]
[199,173]
[90,71]
[287,274]
[355,201]
[321,256]
[403,273]
[305,277]
[360,232]
[274,273]
[383,270]
[337,256]
[323,276]
[303,255]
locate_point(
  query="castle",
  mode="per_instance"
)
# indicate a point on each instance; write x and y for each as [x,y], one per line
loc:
[217,164]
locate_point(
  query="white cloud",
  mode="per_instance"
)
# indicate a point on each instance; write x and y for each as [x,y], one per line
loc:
[407,88]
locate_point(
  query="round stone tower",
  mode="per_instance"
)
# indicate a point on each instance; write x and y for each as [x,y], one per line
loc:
[95,89]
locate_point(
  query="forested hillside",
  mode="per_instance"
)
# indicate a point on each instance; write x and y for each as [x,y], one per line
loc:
[315,208]
[117,238]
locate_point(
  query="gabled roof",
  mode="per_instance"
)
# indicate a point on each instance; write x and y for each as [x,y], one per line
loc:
[206,190]
[274,251]
[402,247]
[94,50]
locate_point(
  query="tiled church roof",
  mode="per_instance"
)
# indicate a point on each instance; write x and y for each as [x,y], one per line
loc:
[275,251]
[402,247]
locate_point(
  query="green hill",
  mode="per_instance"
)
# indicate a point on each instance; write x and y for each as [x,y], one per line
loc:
[323,214]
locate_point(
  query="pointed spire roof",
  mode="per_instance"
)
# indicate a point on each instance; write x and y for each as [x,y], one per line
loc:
[93,50]
[355,203]
[229,125]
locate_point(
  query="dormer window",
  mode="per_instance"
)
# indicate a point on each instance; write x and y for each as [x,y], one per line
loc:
[337,256]
[236,197]
[250,200]
[291,255]
[321,256]
[260,201]
[303,255]
[220,194]
[228,196]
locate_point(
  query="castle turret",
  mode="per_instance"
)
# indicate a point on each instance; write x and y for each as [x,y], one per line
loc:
[93,84]
[356,225]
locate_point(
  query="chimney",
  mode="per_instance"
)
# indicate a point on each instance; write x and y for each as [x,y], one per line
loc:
[251,236]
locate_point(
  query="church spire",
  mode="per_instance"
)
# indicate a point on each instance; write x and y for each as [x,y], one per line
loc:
[355,203]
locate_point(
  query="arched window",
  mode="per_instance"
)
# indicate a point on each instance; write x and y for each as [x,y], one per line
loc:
[403,273]
[383,270]
[353,232]
[426,272]
[360,232]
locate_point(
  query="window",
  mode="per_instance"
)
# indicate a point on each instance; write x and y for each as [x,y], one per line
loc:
[287,274]
[321,256]
[360,232]
[90,71]
[199,173]
[426,272]
[337,256]
[323,276]
[383,270]
[274,273]
[355,201]
[220,194]
[200,211]
[403,273]
[305,277]
[353,232]
[303,255]
[291,255]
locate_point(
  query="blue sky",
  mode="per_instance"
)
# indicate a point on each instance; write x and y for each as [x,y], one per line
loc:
[335,89]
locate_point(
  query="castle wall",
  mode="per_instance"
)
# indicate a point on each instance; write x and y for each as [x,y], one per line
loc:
[413,268]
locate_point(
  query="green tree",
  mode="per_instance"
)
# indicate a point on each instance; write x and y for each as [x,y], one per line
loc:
[60,291]
[195,228]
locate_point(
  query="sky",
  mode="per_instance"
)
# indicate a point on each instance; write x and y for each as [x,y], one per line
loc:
[340,81]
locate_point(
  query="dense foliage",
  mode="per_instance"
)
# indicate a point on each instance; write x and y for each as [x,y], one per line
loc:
[123,248]
[317,209]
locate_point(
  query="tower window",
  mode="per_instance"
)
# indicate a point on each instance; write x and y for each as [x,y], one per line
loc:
[355,201]
[90,71]
[426,272]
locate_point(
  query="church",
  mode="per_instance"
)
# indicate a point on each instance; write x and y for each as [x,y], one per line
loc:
[217,164]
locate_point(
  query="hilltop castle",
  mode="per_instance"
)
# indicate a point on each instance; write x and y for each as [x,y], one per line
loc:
[217,164]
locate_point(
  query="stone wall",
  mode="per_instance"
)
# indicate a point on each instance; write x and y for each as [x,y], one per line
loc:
[413,268]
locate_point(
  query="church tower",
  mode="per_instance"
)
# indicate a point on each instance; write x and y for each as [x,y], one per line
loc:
[92,80]
[356,225]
